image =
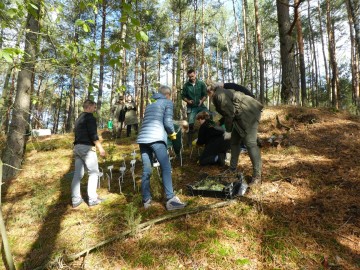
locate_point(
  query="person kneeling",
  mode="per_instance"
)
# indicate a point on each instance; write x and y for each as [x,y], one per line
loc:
[212,137]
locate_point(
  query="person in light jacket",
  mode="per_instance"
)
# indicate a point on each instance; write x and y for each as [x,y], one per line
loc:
[241,115]
[156,127]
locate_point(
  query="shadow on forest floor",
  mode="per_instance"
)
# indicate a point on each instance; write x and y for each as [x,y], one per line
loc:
[306,213]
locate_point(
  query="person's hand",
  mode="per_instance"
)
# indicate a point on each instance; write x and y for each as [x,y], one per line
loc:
[227,135]
[190,101]
[102,152]
[172,136]
[194,142]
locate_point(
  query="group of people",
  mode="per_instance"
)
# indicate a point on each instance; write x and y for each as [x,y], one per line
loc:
[240,113]
[125,114]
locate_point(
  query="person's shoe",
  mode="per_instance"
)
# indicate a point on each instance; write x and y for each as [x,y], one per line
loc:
[221,159]
[243,149]
[174,204]
[230,171]
[76,204]
[147,204]
[255,181]
[96,202]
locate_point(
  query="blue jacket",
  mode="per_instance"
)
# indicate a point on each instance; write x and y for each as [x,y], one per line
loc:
[158,121]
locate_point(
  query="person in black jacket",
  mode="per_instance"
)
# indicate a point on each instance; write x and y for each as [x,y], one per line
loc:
[212,136]
[85,144]
[237,87]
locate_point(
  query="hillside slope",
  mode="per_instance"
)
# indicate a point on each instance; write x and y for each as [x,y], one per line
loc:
[305,215]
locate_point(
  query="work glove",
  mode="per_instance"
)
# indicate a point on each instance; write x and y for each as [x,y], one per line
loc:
[172,136]
[227,135]
[194,142]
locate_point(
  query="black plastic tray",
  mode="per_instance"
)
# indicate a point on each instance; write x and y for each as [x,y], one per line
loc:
[232,185]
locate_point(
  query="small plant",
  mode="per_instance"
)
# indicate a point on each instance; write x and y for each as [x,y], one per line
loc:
[110,151]
[132,218]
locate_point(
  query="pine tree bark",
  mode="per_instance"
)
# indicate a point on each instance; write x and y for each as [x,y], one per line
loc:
[13,154]
[328,89]
[203,42]
[245,75]
[335,91]
[354,7]
[102,58]
[260,51]
[289,83]
[354,22]
[195,30]
[314,62]
[238,38]
[300,41]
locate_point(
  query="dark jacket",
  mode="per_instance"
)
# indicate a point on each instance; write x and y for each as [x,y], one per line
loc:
[212,137]
[194,92]
[208,132]
[85,129]
[236,106]
[158,121]
[238,87]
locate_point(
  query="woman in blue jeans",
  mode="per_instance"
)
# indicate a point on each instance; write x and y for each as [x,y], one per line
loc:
[157,126]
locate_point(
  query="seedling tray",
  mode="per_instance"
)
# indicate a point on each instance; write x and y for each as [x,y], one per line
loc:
[225,187]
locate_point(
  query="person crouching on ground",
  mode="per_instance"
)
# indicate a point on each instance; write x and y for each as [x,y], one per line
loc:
[86,141]
[156,127]
[212,136]
[242,115]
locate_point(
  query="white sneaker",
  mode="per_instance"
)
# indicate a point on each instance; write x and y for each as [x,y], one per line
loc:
[147,204]
[174,204]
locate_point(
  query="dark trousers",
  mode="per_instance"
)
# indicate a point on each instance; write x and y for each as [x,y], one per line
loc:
[128,129]
[213,149]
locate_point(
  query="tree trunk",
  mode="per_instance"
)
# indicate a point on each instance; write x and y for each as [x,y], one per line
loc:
[354,7]
[289,84]
[195,31]
[238,40]
[178,67]
[260,51]
[91,75]
[300,41]
[335,91]
[203,41]
[6,101]
[324,54]
[159,62]
[13,153]
[244,77]
[355,45]
[102,58]
[314,62]
[5,243]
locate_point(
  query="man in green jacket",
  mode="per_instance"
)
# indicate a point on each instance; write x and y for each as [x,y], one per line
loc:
[241,115]
[194,94]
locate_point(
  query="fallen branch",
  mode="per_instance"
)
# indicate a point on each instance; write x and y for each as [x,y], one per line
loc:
[144,226]
[281,125]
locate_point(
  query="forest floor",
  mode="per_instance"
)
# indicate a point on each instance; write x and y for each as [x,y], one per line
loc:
[305,215]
